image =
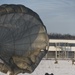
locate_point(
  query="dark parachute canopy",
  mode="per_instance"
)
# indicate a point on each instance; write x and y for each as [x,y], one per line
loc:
[23,39]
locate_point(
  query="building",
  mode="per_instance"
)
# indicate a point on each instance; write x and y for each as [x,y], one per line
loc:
[61,47]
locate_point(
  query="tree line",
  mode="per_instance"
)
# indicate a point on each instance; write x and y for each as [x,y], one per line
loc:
[61,36]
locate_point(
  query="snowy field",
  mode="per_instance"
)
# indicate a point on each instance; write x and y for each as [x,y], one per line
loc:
[64,67]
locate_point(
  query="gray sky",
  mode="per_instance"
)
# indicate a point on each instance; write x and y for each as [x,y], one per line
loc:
[57,15]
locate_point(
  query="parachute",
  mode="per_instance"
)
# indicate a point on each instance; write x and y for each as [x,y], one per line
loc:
[23,39]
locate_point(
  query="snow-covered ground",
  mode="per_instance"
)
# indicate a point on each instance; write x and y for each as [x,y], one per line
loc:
[64,67]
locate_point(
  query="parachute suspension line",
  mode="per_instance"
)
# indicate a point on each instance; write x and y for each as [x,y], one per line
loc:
[3,24]
[12,18]
[13,40]
[30,48]
[5,15]
[21,16]
[47,49]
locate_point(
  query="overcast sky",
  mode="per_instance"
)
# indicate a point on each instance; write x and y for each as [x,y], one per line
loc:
[57,15]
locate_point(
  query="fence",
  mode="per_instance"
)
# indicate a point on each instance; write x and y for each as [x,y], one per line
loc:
[60,55]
